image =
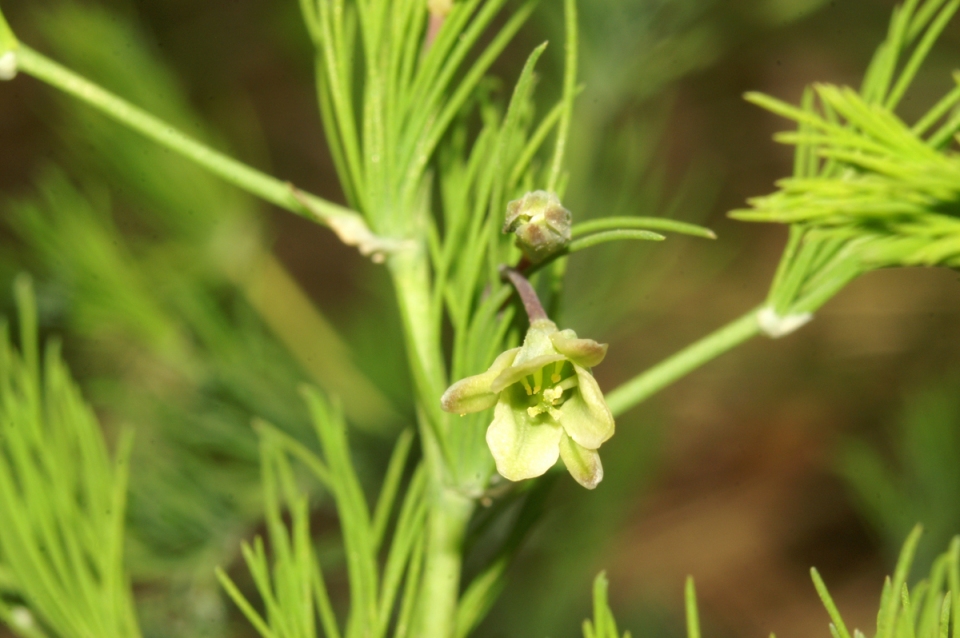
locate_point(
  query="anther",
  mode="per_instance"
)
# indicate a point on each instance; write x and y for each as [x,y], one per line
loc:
[526,386]
[555,377]
[553,394]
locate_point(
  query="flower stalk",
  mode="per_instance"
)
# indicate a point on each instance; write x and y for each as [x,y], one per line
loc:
[528,296]
[647,383]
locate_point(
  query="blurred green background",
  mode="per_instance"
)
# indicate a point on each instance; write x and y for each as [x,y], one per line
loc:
[187,309]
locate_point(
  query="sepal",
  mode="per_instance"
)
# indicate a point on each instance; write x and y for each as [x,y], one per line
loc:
[474,394]
[583,352]
[583,464]
[586,417]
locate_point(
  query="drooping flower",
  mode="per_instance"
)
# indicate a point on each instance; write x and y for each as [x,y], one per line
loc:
[548,405]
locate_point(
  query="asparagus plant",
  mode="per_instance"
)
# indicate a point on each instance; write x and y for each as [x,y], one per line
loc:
[460,199]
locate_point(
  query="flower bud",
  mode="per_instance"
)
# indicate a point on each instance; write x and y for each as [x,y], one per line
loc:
[541,224]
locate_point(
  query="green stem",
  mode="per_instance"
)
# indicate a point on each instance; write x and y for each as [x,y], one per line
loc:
[347,223]
[450,511]
[411,278]
[648,383]
[8,42]
[440,590]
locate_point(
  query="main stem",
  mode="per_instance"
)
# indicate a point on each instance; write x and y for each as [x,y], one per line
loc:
[648,383]
[450,511]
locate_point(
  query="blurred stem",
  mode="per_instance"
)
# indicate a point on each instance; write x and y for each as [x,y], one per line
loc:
[646,384]
[312,341]
[8,42]
[342,220]
[450,511]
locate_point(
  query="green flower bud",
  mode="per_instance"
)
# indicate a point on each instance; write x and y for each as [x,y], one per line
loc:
[548,405]
[541,224]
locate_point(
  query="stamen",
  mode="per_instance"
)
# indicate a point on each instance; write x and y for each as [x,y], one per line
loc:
[569,383]
[537,380]
[526,386]
[553,394]
[555,377]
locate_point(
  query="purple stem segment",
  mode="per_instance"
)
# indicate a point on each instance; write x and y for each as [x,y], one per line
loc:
[531,303]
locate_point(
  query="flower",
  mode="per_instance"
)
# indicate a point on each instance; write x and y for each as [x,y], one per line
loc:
[541,224]
[548,405]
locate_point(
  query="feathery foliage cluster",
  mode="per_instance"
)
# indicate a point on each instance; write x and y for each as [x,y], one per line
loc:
[925,610]
[198,312]
[62,498]
[868,190]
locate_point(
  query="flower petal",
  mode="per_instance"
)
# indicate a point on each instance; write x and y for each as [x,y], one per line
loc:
[585,415]
[474,394]
[583,464]
[583,352]
[523,447]
[514,373]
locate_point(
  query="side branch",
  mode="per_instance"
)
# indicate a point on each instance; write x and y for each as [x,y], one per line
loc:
[348,224]
[646,384]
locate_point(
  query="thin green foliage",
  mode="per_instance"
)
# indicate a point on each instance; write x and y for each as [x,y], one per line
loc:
[410,98]
[62,498]
[470,247]
[603,624]
[286,580]
[218,329]
[644,223]
[429,157]
[868,191]
[289,577]
[925,610]
[690,607]
[569,93]
[613,235]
